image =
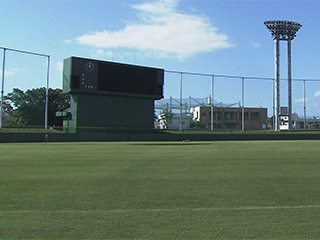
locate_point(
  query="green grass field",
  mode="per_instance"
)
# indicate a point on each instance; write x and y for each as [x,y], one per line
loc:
[160,190]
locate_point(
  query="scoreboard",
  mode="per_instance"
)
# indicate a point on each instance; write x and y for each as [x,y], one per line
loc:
[89,76]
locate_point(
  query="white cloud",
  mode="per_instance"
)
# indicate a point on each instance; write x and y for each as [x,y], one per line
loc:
[59,66]
[300,100]
[164,31]
[255,44]
[317,94]
[101,54]
[10,72]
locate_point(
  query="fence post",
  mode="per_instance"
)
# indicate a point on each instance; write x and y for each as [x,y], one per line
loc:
[242,120]
[212,92]
[273,101]
[2,86]
[304,106]
[180,123]
[47,98]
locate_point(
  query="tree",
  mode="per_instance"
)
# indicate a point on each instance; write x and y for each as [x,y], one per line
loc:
[270,121]
[27,108]
[58,102]
[313,126]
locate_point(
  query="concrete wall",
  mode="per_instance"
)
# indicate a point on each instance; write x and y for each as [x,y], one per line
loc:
[78,137]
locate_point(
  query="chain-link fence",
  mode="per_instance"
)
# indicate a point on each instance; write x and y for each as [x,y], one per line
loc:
[22,71]
[220,102]
[192,101]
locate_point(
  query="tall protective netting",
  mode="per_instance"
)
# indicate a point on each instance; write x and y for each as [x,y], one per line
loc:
[206,102]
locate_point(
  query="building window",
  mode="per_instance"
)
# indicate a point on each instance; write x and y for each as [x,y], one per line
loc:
[246,116]
[230,116]
[217,116]
[254,116]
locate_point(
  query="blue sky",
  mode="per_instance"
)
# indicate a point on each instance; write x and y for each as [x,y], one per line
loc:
[208,36]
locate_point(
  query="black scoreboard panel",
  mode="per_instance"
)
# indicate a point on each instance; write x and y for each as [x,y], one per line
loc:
[92,76]
[128,78]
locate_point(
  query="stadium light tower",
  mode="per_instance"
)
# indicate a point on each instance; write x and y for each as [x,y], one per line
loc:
[282,30]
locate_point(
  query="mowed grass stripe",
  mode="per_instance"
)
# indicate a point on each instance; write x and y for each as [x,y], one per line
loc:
[159,210]
[194,190]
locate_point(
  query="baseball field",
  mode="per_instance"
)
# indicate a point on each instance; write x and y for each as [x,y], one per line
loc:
[160,190]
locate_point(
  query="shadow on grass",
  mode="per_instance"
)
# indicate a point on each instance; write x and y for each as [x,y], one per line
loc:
[182,144]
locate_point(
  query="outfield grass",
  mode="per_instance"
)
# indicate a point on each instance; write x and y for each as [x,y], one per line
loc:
[163,190]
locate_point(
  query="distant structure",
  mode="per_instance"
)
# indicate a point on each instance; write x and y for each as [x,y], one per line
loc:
[198,114]
[230,118]
[282,30]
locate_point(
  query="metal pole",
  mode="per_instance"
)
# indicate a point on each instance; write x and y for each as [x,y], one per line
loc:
[289,86]
[304,106]
[47,98]
[242,117]
[277,85]
[212,92]
[25,52]
[180,123]
[2,86]
[273,92]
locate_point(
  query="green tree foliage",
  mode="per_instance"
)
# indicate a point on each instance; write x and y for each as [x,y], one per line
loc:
[313,126]
[27,108]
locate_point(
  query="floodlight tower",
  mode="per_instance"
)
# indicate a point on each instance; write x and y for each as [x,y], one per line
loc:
[282,30]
